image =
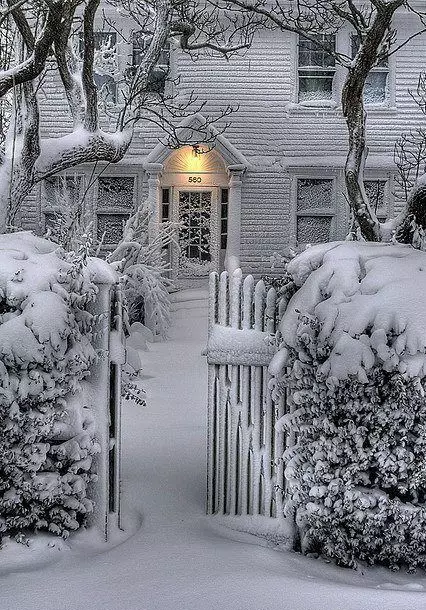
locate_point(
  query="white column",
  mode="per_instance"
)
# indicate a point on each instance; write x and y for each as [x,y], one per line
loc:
[233,243]
[153,171]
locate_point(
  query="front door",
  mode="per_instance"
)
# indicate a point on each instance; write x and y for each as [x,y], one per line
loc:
[197,234]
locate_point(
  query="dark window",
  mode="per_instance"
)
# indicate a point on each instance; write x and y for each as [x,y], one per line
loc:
[116,192]
[224,196]
[375,190]
[110,227]
[158,77]
[165,200]
[316,68]
[115,204]
[104,64]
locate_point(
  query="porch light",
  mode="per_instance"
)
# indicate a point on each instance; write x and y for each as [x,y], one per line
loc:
[194,159]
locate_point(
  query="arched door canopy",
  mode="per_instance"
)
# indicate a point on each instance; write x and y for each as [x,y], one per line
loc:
[188,130]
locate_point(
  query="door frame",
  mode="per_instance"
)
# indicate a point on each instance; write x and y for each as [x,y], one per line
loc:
[214,226]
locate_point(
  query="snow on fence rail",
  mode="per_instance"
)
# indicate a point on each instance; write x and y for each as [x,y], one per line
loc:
[245,470]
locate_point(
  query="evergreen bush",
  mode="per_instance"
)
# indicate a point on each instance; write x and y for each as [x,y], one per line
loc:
[47,439]
[352,362]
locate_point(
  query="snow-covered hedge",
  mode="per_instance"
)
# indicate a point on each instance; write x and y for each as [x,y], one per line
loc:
[354,359]
[46,441]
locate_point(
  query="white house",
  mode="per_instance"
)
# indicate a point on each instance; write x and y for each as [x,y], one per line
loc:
[275,175]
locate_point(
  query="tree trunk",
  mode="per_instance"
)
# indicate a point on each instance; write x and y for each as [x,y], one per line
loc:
[15,185]
[354,113]
[353,108]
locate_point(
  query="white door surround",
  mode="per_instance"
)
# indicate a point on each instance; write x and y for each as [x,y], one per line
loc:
[222,167]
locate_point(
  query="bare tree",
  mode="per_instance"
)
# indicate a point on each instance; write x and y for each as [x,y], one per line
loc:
[44,34]
[372,25]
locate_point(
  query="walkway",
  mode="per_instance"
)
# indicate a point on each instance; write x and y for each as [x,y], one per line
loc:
[177,559]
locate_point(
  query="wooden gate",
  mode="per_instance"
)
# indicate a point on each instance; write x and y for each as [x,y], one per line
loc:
[245,468]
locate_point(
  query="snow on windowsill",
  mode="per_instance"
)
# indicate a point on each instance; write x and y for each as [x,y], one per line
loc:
[313,105]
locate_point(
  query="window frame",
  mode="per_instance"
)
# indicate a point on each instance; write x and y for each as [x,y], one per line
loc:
[313,69]
[108,211]
[46,208]
[332,211]
[109,100]
[160,67]
[377,69]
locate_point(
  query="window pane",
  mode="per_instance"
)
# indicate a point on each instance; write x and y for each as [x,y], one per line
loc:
[141,42]
[106,86]
[375,88]
[50,219]
[165,212]
[313,229]
[311,54]
[315,86]
[62,191]
[165,194]
[314,194]
[104,63]
[105,41]
[110,227]
[115,192]
[375,190]
[355,40]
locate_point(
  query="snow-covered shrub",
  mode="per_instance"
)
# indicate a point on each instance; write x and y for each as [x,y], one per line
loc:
[46,438]
[353,360]
[144,270]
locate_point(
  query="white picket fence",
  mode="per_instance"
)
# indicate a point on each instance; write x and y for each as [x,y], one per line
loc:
[245,468]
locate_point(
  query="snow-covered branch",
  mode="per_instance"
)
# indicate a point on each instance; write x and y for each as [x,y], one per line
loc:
[32,66]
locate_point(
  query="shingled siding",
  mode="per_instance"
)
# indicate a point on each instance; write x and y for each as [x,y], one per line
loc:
[278,136]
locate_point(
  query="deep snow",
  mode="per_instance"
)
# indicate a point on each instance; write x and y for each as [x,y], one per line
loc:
[178,559]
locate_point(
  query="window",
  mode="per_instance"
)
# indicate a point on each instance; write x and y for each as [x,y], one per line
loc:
[115,204]
[224,197]
[157,80]
[375,190]
[165,201]
[60,198]
[105,66]
[376,85]
[316,68]
[314,210]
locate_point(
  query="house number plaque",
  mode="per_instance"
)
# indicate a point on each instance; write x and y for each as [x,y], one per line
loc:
[194,179]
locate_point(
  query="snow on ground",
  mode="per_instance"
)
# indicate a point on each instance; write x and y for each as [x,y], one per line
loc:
[177,558]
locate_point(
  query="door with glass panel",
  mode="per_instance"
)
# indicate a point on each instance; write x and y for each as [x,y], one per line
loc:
[197,233]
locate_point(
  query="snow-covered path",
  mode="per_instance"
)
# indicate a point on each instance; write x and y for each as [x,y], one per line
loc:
[178,559]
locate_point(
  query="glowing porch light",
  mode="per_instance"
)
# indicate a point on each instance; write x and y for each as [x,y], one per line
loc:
[194,159]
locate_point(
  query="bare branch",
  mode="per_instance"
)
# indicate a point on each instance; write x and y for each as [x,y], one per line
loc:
[13,7]
[33,66]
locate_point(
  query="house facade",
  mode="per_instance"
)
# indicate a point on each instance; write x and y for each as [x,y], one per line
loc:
[274,177]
